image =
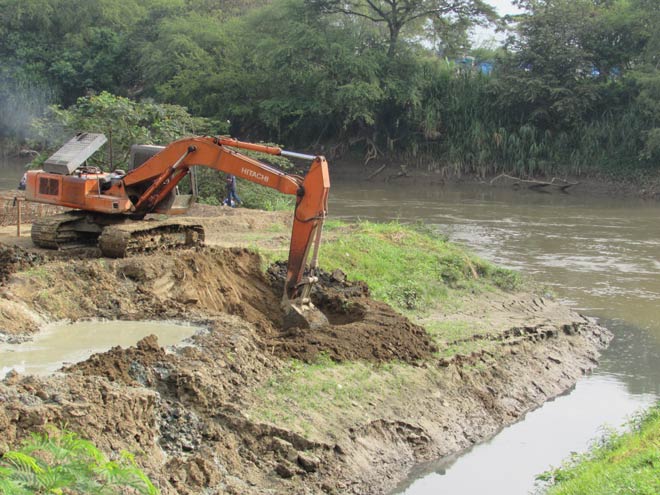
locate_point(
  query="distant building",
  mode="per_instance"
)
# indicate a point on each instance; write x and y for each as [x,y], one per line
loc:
[470,64]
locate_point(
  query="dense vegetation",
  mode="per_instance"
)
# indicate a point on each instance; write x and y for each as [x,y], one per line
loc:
[576,89]
[620,463]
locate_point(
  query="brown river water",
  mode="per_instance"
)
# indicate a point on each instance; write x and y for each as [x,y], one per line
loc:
[599,254]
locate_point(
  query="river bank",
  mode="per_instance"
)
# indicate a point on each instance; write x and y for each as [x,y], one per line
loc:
[359,403]
[643,184]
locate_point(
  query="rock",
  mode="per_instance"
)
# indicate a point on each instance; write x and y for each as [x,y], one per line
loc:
[284,470]
[284,448]
[12,378]
[308,462]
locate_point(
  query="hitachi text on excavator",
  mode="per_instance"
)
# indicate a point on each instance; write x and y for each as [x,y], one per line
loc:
[109,208]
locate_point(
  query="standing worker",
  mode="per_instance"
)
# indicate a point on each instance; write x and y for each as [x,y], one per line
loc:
[232,198]
[21,184]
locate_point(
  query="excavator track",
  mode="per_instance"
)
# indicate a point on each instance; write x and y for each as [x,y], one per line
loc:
[59,231]
[119,241]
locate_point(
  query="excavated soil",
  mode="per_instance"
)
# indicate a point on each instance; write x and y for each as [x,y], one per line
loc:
[185,412]
[206,281]
[14,258]
[360,327]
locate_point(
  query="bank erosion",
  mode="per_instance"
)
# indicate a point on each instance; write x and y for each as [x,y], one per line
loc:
[428,351]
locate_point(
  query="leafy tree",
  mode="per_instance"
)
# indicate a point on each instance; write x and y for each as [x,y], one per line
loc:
[569,59]
[397,15]
[646,74]
[125,122]
[299,81]
[59,462]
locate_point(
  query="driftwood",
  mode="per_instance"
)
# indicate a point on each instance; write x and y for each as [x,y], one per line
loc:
[380,169]
[403,173]
[537,185]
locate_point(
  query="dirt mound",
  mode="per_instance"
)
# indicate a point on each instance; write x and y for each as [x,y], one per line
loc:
[232,281]
[198,283]
[129,366]
[360,327]
[14,258]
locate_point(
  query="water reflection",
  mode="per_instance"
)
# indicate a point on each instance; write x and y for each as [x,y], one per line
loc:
[633,358]
[11,171]
[58,343]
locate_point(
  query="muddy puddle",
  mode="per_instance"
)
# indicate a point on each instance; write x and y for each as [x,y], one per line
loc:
[60,344]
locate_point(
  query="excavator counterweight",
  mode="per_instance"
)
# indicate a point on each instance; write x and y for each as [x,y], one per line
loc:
[107,204]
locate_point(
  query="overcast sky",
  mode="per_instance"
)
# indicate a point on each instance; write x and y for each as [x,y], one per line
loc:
[482,36]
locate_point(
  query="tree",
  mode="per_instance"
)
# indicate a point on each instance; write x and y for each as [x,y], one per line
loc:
[570,59]
[124,122]
[399,14]
[646,74]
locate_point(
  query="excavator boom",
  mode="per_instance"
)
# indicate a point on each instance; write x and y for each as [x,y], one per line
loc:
[149,187]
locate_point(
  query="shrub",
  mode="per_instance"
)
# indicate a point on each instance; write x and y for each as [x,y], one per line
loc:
[59,461]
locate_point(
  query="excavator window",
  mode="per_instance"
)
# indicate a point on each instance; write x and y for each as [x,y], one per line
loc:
[49,186]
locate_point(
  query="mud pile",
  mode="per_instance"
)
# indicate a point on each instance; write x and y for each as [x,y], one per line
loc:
[360,327]
[179,412]
[14,258]
[196,284]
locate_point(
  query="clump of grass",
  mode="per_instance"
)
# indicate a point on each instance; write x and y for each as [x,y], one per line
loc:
[618,463]
[408,267]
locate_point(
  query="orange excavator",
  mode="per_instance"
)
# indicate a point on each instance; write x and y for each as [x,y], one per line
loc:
[109,208]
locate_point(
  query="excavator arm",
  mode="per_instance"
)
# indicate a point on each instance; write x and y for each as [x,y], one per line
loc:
[157,177]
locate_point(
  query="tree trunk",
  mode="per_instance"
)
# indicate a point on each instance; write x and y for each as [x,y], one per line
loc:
[394,38]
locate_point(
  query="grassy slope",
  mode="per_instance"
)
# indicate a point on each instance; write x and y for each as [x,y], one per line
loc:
[416,272]
[410,268]
[628,463]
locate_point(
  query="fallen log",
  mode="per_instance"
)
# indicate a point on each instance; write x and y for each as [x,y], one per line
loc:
[557,183]
[380,169]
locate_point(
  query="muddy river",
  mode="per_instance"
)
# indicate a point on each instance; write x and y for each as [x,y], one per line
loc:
[600,254]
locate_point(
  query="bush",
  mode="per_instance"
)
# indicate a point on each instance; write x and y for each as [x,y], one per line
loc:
[61,462]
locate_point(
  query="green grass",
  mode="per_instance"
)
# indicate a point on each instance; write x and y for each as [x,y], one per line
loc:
[408,267]
[308,397]
[39,272]
[627,463]
[453,330]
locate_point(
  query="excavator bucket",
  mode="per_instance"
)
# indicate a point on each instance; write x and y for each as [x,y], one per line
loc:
[305,316]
